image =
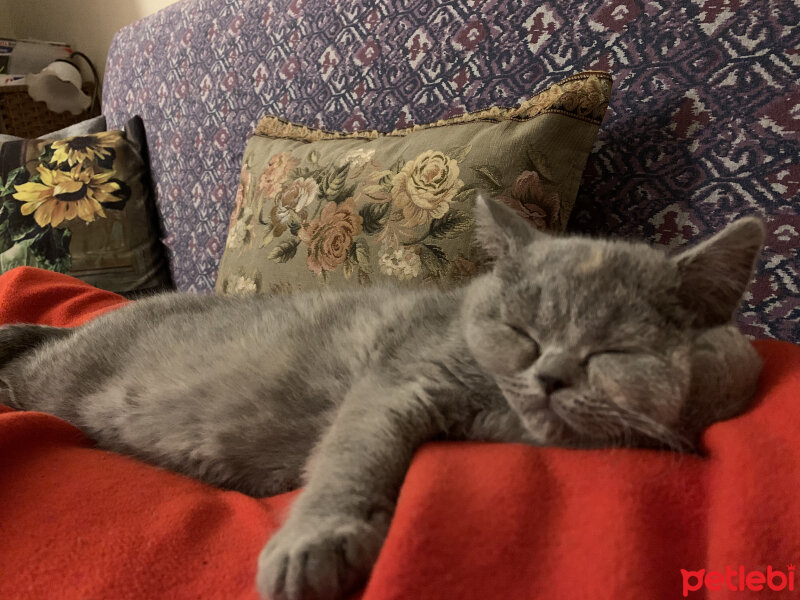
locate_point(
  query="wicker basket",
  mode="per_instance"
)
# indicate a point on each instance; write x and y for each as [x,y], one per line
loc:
[20,115]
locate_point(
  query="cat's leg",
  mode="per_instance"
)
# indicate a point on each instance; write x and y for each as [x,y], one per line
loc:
[338,523]
[725,371]
[18,339]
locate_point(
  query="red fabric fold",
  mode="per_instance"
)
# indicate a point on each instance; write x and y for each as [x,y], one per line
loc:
[474,521]
[30,295]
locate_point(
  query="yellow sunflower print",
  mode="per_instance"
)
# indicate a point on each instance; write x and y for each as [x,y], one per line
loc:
[75,150]
[64,195]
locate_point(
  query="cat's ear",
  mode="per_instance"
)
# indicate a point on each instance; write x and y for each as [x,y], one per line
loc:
[715,273]
[500,230]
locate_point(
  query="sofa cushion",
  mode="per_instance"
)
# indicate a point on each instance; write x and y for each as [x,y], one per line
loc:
[82,205]
[702,128]
[318,208]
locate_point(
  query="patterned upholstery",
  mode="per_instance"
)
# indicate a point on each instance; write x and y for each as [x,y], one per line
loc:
[704,123]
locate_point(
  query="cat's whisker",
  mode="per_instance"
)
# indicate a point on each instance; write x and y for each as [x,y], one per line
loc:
[656,431]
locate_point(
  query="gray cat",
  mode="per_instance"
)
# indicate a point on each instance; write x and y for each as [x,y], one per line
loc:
[568,341]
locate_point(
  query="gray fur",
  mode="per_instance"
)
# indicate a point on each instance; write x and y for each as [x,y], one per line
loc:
[568,341]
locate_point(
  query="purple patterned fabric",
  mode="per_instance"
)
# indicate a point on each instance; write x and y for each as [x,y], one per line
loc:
[704,124]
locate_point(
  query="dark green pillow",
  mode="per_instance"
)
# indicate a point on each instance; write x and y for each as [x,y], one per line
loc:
[84,206]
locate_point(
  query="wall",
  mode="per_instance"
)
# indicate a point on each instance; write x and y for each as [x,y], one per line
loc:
[87,25]
[7,25]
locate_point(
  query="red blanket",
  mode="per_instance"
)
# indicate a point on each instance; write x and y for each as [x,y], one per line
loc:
[474,521]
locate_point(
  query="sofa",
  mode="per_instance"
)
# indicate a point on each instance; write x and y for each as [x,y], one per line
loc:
[703,126]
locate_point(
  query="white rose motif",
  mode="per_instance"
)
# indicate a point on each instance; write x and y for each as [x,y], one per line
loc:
[403,264]
[243,286]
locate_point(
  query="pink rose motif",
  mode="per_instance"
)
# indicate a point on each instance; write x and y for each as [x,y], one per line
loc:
[298,194]
[272,178]
[291,202]
[330,236]
[530,201]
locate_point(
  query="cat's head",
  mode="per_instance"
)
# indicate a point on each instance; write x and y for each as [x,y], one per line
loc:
[591,341]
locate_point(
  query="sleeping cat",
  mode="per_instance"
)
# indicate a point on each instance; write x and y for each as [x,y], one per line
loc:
[568,341]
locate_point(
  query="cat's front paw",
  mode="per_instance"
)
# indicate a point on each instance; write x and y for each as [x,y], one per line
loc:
[318,558]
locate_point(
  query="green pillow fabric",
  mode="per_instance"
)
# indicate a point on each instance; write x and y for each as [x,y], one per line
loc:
[317,208]
[84,206]
[93,125]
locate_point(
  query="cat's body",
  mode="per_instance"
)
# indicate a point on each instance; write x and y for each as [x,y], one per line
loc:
[567,342]
[237,391]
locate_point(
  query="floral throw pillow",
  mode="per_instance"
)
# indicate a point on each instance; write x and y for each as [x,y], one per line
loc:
[84,206]
[316,208]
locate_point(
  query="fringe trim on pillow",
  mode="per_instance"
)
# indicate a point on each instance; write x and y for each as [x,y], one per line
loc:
[582,96]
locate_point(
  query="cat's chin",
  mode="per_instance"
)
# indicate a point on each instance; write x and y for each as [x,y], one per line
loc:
[545,427]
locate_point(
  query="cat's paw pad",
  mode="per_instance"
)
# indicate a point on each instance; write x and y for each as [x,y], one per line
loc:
[318,559]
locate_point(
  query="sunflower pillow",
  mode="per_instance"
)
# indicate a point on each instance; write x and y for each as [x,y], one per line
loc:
[83,206]
[317,208]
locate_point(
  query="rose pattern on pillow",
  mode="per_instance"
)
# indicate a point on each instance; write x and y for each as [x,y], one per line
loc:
[337,214]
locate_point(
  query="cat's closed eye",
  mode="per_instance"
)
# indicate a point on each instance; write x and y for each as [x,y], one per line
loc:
[524,334]
[525,347]
[608,351]
[520,331]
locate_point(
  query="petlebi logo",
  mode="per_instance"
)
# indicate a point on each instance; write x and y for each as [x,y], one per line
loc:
[739,579]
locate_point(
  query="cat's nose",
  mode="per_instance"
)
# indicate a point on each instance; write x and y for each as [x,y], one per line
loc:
[556,369]
[551,383]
